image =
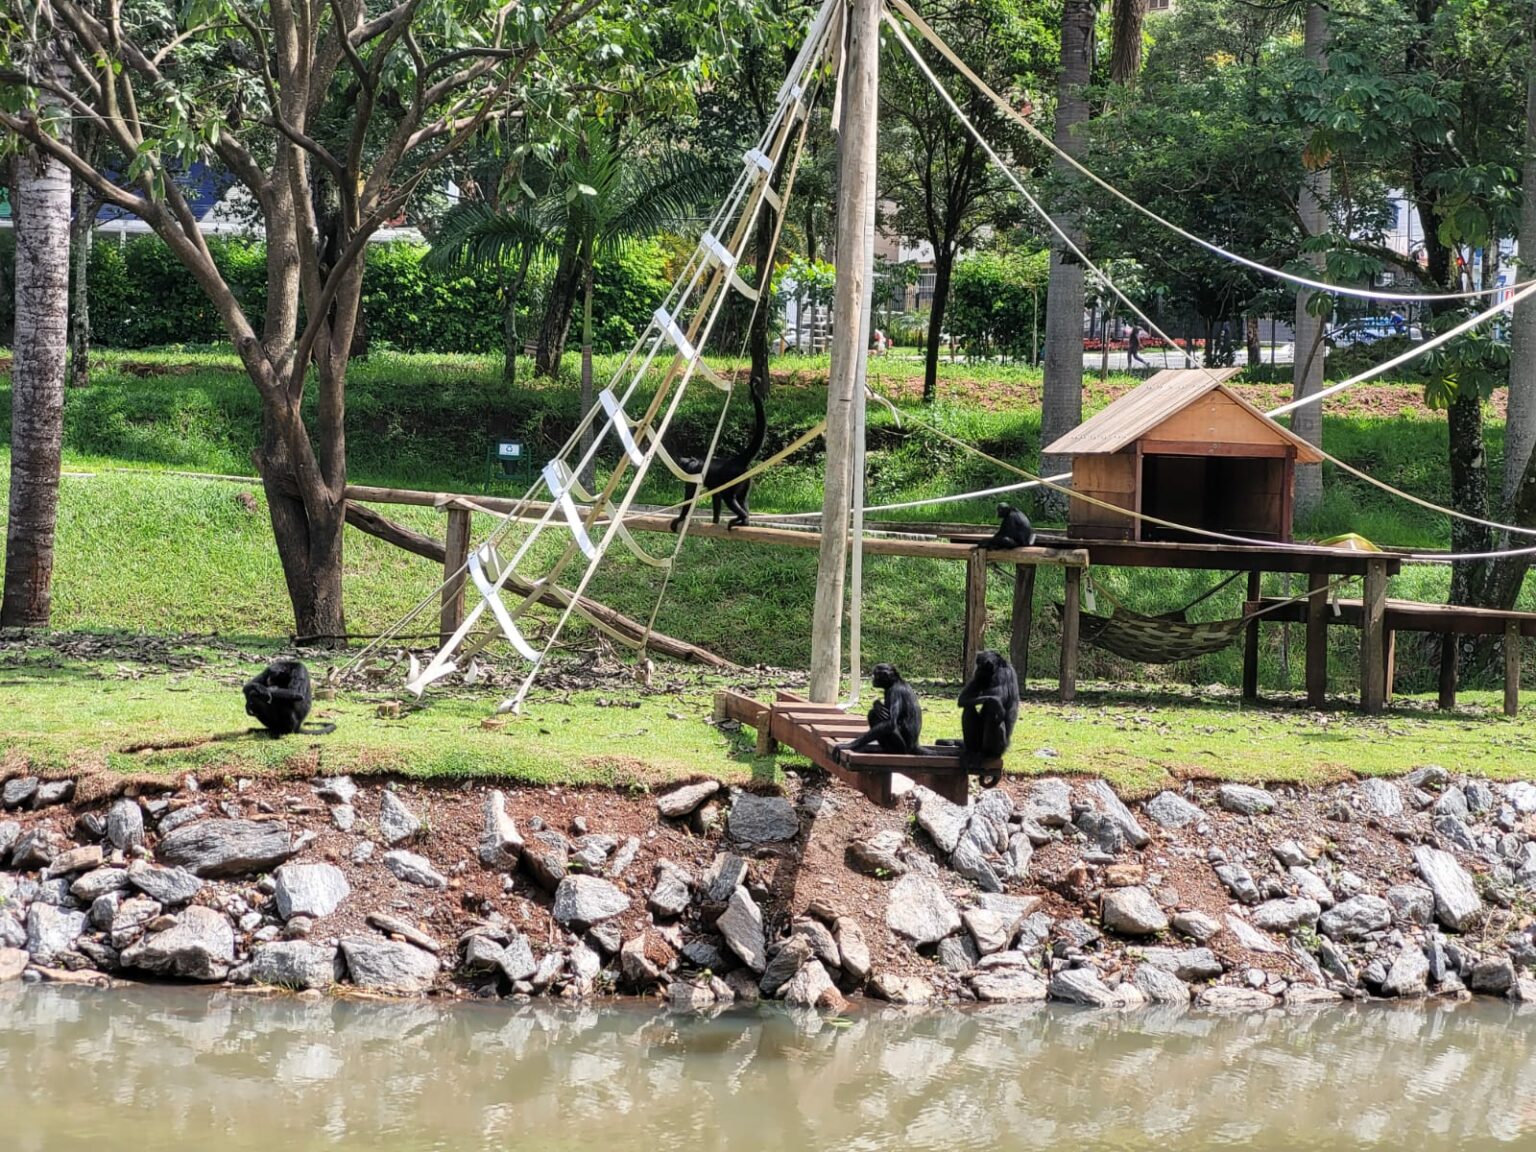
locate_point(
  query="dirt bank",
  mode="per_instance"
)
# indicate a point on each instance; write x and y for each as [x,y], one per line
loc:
[1227,897]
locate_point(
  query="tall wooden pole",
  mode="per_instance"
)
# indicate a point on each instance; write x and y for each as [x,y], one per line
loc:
[855,208]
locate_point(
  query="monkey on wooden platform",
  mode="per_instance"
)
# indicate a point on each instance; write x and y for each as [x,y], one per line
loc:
[896,722]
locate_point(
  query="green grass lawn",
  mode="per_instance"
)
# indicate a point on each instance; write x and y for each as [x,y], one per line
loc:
[142,549]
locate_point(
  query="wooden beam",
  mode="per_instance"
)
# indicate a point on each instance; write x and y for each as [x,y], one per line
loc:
[1373,684]
[367,520]
[975,611]
[1023,621]
[1071,611]
[1448,658]
[1317,639]
[1511,669]
[1388,661]
[456,555]
[1211,448]
[1251,642]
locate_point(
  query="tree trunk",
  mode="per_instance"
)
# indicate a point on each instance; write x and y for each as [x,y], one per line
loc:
[1310,353]
[1062,401]
[558,307]
[943,272]
[1520,428]
[1252,339]
[588,398]
[1469,494]
[511,295]
[37,387]
[1127,18]
[83,233]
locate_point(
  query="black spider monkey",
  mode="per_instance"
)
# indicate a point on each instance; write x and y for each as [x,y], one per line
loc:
[1015,531]
[724,469]
[989,708]
[895,723]
[280,697]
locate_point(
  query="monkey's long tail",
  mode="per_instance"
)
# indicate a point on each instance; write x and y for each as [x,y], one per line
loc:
[324,729]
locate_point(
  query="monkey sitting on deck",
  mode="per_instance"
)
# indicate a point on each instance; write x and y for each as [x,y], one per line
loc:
[989,708]
[1015,531]
[280,697]
[895,723]
[724,469]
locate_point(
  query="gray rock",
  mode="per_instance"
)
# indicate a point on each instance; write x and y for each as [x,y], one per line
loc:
[102,912]
[1523,990]
[683,996]
[1457,904]
[1291,854]
[762,819]
[1239,882]
[217,848]
[636,965]
[822,942]
[1224,998]
[93,885]
[1196,925]
[969,861]
[623,857]
[1312,886]
[607,936]
[18,792]
[547,857]
[853,952]
[199,946]
[1082,986]
[1016,860]
[1452,802]
[517,961]
[741,924]
[1522,796]
[1479,796]
[387,966]
[13,962]
[1185,963]
[51,792]
[1285,916]
[958,953]
[1159,986]
[1457,833]
[10,832]
[35,850]
[581,901]
[125,824]
[1430,776]
[727,872]
[789,959]
[1492,977]
[992,931]
[295,964]
[1050,803]
[811,987]
[1250,937]
[1381,797]
[1009,986]
[313,890]
[1102,832]
[182,816]
[876,856]
[404,929]
[344,817]
[168,886]
[591,853]
[1355,918]
[908,990]
[1411,904]
[680,802]
[335,789]
[131,917]
[1170,810]
[919,910]
[942,819]
[1245,800]
[51,931]
[397,823]
[1110,804]
[1409,975]
[410,868]
[705,953]
[1132,912]
[74,860]
[673,891]
[500,844]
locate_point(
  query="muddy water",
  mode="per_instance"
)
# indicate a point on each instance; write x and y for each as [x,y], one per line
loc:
[160,1069]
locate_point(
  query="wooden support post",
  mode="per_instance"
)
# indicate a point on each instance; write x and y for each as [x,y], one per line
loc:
[1317,639]
[456,555]
[1251,641]
[1373,671]
[1023,619]
[1448,657]
[975,610]
[1388,661]
[1071,608]
[1511,668]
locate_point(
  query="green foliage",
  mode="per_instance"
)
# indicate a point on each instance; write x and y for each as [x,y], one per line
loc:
[993,299]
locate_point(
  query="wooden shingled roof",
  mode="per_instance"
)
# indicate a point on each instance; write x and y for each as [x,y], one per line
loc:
[1163,395]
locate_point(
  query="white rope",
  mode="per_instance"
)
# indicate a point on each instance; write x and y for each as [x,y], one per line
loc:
[928,33]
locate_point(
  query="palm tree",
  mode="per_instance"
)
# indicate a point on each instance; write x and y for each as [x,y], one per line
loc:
[37,381]
[603,199]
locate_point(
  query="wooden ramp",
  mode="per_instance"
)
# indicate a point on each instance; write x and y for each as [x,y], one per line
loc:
[815,730]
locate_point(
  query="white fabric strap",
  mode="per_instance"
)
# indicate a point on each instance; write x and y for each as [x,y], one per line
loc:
[498,609]
[419,679]
[562,493]
[669,327]
[723,255]
[758,157]
[615,411]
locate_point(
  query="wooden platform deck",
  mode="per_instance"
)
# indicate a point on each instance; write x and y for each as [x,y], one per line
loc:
[815,731]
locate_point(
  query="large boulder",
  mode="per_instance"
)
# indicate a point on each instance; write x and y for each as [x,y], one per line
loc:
[295,964]
[501,845]
[1457,904]
[125,824]
[680,802]
[215,848]
[1287,915]
[313,890]
[1170,810]
[52,930]
[1110,804]
[758,819]
[1133,912]
[167,886]
[919,910]
[582,901]
[388,966]
[1355,918]
[741,924]
[1245,800]
[199,946]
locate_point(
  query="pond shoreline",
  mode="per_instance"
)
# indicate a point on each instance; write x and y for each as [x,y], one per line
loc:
[1227,898]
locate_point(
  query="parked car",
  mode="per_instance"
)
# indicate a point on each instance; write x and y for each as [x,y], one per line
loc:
[1365,330]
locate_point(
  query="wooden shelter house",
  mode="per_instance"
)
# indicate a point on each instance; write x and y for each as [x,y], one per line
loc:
[1186,448]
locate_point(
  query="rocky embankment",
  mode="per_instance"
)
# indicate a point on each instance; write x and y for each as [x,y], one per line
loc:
[1228,897]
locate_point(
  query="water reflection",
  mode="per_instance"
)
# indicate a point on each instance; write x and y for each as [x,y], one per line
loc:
[158,1068]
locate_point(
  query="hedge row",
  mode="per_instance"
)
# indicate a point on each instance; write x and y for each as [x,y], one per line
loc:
[141,296]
